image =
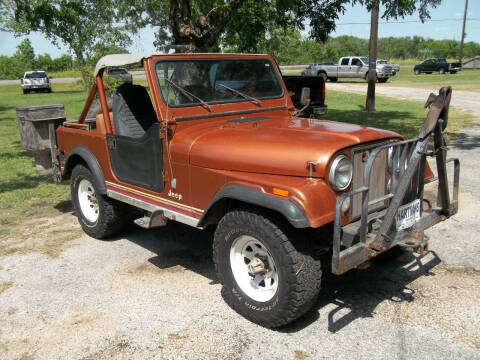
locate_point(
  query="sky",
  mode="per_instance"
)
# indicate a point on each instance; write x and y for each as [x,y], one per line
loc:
[446,23]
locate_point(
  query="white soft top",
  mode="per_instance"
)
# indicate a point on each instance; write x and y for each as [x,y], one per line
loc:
[128,59]
[119,60]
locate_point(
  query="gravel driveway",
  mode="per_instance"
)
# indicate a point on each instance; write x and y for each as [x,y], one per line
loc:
[153,295]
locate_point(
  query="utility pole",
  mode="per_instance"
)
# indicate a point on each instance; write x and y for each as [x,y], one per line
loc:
[463,33]
[372,66]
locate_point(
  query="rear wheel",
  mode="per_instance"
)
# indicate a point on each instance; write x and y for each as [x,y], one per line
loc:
[25,91]
[266,277]
[441,71]
[417,71]
[382,80]
[453,71]
[98,215]
[334,79]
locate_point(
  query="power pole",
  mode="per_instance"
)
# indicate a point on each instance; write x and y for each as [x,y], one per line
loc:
[463,32]
[372,66]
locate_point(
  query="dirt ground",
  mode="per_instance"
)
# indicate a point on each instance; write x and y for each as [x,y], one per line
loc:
[154,295]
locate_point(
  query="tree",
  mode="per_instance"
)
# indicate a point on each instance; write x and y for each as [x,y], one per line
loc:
[25,54]
[241,24]
[80,24]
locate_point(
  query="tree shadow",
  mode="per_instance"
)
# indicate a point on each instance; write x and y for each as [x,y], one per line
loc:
[464,141]
[24,182]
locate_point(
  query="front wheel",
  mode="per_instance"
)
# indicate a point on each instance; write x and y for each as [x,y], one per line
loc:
[266,277]
[382,80]
[99,216]
[333,79]
[417,71]
[441,71]
[323,76]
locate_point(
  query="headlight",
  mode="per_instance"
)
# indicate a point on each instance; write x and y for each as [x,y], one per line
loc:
[340,174]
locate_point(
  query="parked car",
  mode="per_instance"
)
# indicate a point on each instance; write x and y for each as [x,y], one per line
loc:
[395,67]
[35,80]
[220,143]
[349,67]
[310,70]
[120,73]
[437,64]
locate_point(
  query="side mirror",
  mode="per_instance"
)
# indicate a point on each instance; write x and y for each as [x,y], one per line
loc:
[305,96]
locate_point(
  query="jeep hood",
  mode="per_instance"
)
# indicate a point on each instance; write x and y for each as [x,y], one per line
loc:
[280,146]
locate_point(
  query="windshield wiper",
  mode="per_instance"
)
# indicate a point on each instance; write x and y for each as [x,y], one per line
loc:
[187,93]
[245,96]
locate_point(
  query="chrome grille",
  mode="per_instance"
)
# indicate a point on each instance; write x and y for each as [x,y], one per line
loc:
[378,178]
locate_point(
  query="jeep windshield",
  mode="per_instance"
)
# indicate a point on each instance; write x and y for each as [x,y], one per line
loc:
[213,80]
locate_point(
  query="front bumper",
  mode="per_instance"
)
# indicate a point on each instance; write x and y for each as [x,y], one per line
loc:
[374,232]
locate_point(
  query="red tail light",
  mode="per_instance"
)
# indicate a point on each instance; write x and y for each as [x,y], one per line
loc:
[21,81]
[323,91]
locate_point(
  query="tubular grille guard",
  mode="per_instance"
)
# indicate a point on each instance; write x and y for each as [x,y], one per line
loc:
[407,164]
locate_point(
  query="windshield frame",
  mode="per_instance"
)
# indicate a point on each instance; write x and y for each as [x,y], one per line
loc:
[218,102]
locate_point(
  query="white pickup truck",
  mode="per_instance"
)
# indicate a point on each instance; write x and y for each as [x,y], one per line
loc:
[348,67]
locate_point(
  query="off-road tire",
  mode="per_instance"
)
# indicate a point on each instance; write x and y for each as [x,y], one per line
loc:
[25,92]
[417,71]
[333,79]
[453,72]
[110,212]
[299,274]
[382,80]
[441,71]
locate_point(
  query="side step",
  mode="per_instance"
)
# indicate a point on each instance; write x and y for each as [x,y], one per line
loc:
[156,219]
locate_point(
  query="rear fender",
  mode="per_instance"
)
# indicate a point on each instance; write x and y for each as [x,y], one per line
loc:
[83,154]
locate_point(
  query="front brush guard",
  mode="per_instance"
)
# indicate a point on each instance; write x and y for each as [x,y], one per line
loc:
[373,233]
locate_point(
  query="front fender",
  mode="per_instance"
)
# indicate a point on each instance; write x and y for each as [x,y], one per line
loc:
[287,207]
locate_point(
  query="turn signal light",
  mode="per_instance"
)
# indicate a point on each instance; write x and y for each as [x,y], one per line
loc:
[280,192]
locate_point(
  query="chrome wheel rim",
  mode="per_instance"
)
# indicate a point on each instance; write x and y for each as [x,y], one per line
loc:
[254,268]
[87,200]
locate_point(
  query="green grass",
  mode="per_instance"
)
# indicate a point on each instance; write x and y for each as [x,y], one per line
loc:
[24,193]
[65,74]
[463,80]
[467,80]
[404,117]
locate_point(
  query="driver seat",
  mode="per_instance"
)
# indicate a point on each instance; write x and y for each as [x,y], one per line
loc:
[133,112]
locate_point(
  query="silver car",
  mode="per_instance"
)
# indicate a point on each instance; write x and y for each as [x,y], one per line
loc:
[35,80]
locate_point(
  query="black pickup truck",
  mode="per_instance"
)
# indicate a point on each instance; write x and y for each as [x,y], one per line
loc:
[437,64]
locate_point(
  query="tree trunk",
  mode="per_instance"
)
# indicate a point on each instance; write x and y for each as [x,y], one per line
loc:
[87,75]
[201,34]
[372,66]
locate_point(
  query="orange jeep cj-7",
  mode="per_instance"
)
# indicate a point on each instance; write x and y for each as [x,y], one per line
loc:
[224,141]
